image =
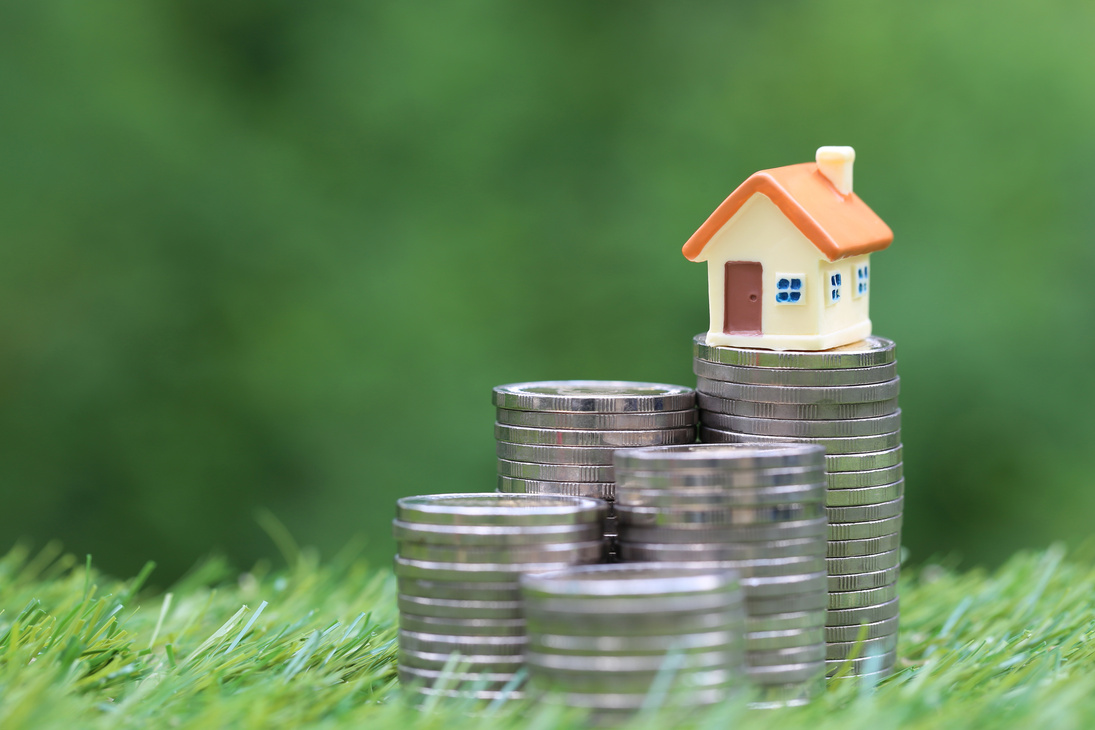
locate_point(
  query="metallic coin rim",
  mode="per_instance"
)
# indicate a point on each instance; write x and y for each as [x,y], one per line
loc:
[866,461]
[857,564]
[588,421]
[863,614]
[665,397]
[864,580]
[719,457]
[846,428]
[794,411]
[836,446]
[801,394]
[864,546]
[432,508]
[784,376]
[865,529]
[875,629]
[880,351]
[603,438]
[839,600]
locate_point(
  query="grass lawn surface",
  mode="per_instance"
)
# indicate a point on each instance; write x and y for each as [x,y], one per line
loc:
[314,646]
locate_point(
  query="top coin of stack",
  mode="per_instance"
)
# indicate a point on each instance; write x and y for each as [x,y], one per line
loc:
[557,437]
[459,560]
[844,399]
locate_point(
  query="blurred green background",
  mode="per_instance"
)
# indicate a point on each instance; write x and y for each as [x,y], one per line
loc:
[275,254]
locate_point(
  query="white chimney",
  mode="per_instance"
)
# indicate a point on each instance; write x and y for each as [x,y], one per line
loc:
[835,163]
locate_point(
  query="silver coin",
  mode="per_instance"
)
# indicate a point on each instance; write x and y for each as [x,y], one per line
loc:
[720,457]
[878,662]
[869,352]
[598,421]
[869,478]
[718,498]
[681,479]
[793,376]
[482,572]
[452,590]
[637,624]
[805,429]
[490,508]
[595,490]
[839,446]
[635,664]
[540,608]
[865,648]
[615,439]
[572,552]
[468,645]
[540,611]
[861,598]
[801,393]
[885,627]
[864,530]
[597,396]
[554,472]
[863,615]
[774,586]
[868,546]
[868,512]
[480,681]
[730,534]
[786,673]
[760,626]
[747,568]
[816,601]
[865,495]
[470,662]
[864,580]
[795,411]
[862,462]
[769,640]
[625,645]
[621,581]
[783,657]
[492,535]
[445,608]
[758,556]
[858,564]
[572,455]
[744,515]
[512,628]
[596,684]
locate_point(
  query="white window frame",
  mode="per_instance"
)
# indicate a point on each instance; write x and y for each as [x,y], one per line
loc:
[790,290]
[862,281]
[834,288]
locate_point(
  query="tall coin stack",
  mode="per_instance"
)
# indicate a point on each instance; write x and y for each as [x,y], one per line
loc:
[758,509]
[460,557]
[844,399]
[557,437]
[616,638]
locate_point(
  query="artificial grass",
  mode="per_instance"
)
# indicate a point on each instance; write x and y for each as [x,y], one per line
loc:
[314,646]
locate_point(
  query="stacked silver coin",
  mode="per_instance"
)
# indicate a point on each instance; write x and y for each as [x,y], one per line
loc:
[758,509]
[616,638]
[460,557]
[844,399]
[557,437]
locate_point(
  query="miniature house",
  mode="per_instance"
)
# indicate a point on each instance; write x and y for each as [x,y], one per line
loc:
[788,258]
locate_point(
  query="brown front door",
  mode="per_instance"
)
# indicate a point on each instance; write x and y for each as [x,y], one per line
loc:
[743,294]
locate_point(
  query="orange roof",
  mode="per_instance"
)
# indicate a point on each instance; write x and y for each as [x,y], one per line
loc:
[839,225]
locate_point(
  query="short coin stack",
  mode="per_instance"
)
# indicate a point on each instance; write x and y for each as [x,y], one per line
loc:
[613,638]
[844,399]
[460,557]
[758,509]
[557,437]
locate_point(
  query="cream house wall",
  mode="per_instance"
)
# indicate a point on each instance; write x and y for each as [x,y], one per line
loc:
[760,232]
[851,310]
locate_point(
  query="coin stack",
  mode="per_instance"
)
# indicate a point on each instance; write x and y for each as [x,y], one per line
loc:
[844,399]
[616,638]
[557,437]
[459,561]
[758,509]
